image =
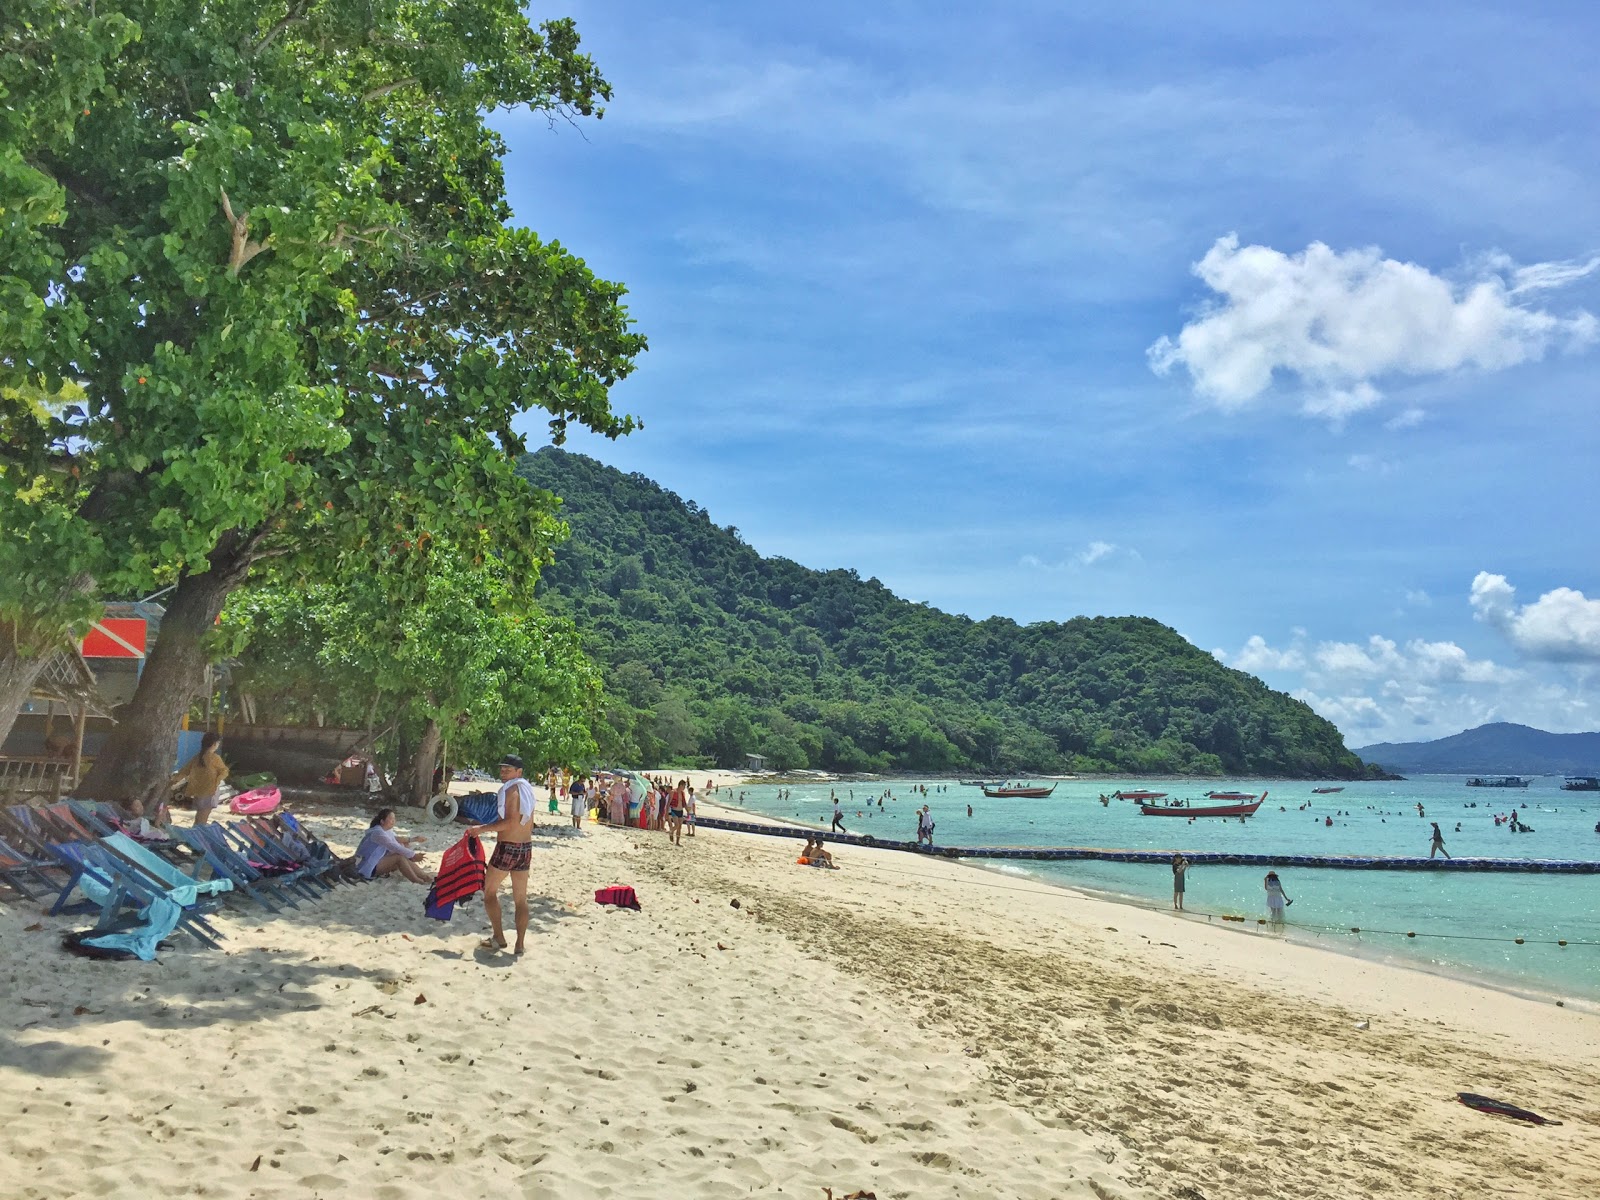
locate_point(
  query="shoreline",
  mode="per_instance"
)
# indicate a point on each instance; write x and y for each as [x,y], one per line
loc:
[1307,938]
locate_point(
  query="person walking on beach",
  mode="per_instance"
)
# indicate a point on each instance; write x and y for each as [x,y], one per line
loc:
[513,851]
[675,803]
[838,818]
[578,799]
[1180,865]
[1438,842]
[1276,900]
[688,810]
[202,775]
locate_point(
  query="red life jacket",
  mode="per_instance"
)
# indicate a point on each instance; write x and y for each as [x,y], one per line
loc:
[461,871]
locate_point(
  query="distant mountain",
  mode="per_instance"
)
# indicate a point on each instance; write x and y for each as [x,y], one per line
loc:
[1500,748]
[712,652]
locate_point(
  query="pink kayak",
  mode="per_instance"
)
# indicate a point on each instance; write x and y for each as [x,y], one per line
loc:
[256,801]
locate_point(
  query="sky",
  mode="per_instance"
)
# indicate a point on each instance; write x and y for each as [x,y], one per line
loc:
[1273,323]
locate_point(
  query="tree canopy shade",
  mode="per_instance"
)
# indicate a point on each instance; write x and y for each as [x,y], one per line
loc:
[711,650]
[467,661]
[269,243]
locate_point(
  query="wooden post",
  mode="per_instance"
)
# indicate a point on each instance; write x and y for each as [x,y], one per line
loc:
[81,722]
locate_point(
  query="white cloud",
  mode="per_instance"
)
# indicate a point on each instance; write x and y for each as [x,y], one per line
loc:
[1369,463]
[1562,625]
[1349,713]
[1095,552]
[1378,657]
[1258,656]
[1448,662]
[1338,321]
[1409,419]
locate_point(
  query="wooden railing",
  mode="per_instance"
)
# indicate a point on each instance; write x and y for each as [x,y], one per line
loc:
[26,776]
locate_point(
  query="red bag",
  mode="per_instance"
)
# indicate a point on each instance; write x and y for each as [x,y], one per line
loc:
[619,894]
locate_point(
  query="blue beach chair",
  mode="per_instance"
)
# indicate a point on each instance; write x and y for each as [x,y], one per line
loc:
[225,861]
[317,870]
[284,869]
[114,883]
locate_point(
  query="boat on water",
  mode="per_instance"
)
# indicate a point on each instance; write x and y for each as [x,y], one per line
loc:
[1240,796]
[1581,783]
[979,782]
[1140,795]
[1183,809]
[1507,781]
[1325,791]
[1023,793]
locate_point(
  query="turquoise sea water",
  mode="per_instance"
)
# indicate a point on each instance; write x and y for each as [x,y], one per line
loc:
[1465,922]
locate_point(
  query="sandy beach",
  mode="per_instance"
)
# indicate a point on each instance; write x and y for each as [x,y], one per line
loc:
[902,1027]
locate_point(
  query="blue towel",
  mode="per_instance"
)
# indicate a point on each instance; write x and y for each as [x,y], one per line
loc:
[160,919]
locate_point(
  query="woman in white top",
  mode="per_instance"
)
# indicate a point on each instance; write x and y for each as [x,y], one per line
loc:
[382,853]
[1276,900]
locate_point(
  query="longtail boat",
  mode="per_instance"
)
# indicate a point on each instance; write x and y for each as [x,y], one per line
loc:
[1140,795]
[1204,810]
[1024,793]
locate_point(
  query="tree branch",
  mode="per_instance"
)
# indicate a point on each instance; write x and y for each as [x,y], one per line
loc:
[243,249]
[296,17]
[379,92]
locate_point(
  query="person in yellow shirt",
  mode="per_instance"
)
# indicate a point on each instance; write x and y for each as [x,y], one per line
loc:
[202,775]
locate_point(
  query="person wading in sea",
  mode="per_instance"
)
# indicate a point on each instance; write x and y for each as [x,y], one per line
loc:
[513,851]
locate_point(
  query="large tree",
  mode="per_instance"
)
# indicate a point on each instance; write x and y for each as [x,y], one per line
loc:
[467,660]
[277,259]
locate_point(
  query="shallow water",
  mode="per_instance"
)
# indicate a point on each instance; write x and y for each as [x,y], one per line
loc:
[1465,923]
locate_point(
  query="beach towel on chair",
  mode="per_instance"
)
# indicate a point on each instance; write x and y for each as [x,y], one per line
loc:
[461,872]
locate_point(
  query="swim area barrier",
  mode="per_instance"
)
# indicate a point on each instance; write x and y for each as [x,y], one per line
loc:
[1338,862]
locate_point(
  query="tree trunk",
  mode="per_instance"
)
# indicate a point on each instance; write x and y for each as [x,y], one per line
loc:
[140,754]
[422,765]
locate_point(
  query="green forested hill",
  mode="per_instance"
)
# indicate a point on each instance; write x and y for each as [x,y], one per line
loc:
[711,651]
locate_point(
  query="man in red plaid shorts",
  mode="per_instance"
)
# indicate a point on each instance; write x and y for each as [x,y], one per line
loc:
[513,851]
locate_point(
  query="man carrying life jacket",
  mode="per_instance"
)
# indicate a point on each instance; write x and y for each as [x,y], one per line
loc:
[513,851]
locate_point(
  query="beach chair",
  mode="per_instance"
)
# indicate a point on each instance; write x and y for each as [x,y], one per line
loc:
[27,829]
[114,883]
[211,842]
[318,870]
[159,869]
[23,872]
[319,849]
[64,824]
[98,817]
[274,861]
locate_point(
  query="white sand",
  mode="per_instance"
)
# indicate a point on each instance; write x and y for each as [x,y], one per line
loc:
[903,1026]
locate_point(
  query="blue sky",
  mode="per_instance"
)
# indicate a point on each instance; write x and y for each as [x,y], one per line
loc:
[1273,326]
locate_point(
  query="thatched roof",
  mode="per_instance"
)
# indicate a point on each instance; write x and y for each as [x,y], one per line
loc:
[67,678]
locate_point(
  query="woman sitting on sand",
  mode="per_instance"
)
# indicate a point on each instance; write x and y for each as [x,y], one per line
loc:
[382,853]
